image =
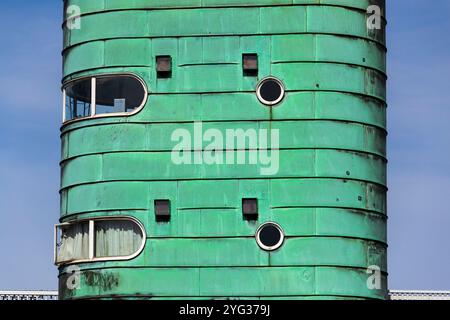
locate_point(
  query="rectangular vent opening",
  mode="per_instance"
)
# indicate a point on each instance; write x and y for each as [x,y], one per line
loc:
[250,64]
[162,210]
[250,209]
[164,67]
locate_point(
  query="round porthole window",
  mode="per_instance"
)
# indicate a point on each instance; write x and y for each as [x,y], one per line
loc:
[270,91]
[269,236]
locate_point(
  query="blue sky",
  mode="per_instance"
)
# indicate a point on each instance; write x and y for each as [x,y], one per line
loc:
[419,142]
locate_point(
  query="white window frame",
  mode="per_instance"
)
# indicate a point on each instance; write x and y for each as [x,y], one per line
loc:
[278,244]
[94,96]
[64,105]
[91,240]
[279,99]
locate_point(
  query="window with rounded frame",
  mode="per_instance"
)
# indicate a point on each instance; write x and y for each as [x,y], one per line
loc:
[99,239]
[103,95]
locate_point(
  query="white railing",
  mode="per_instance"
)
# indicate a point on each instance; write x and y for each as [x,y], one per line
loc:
[419,295]
[28,295]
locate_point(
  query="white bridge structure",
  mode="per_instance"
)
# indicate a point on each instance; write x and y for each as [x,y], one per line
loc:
[28,295]
[419,295]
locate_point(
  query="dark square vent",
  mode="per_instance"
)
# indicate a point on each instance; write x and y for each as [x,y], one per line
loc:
[250,209]
[164,66]
[162,210]
[250,64]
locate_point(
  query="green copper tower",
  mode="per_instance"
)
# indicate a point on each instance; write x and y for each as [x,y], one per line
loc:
[223,149]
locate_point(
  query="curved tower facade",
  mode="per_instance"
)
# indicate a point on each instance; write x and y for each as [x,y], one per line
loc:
[223,149]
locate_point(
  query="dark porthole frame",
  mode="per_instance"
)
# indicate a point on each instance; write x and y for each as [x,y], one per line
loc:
[273,247]
[273,102]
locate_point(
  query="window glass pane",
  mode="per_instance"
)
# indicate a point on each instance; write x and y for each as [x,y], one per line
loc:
[117,94]
[74,242]
[116,238]
[78,99]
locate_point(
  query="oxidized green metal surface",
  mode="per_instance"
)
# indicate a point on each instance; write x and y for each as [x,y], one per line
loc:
[329,194]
